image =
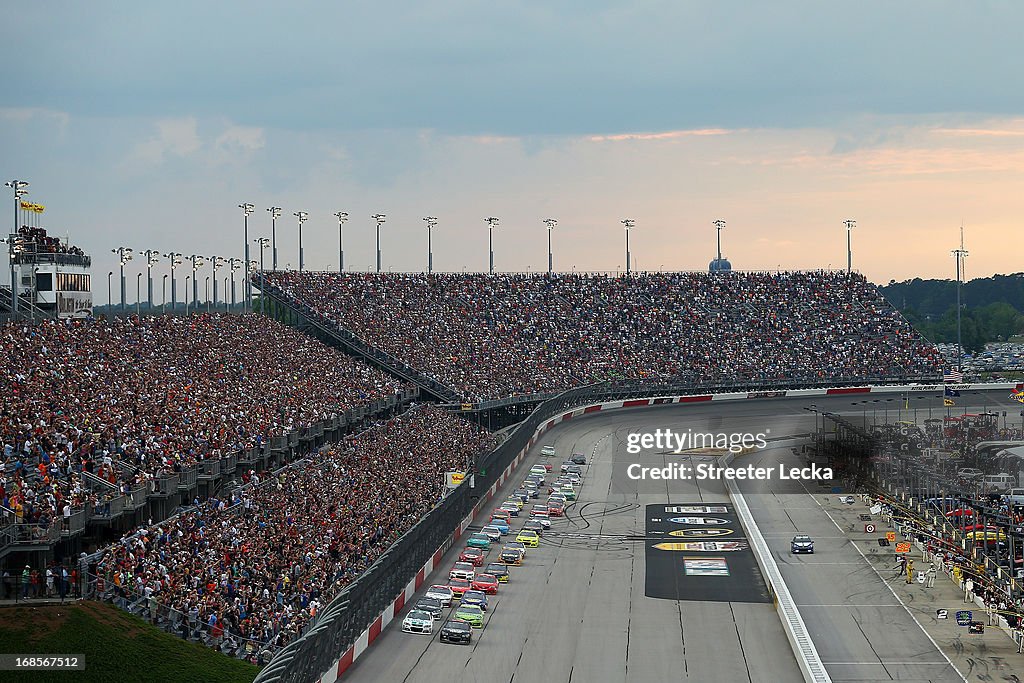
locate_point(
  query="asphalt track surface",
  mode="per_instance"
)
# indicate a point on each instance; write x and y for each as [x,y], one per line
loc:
[577,610]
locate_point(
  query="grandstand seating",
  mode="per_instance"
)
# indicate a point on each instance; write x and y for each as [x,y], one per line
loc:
[100,411]
[492,336]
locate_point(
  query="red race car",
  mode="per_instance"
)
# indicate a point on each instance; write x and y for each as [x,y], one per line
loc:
[459,587]
[474,556]
[488,583]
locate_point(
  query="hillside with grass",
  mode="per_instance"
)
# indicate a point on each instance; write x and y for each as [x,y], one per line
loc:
[117,647]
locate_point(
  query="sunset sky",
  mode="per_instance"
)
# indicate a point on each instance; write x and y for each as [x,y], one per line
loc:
[146,124]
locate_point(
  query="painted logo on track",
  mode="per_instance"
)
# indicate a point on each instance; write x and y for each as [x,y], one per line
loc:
[700,533]
[696,509]
[704,546]
[705,566]
[713,521]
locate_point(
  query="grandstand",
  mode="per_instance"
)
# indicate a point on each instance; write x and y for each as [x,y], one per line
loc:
[493,336]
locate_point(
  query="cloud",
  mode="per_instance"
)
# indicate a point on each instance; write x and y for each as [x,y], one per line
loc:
[23,115]
[174,137]
[243,139]
[664,135]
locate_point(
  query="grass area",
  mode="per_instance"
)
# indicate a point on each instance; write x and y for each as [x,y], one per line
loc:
[117,647]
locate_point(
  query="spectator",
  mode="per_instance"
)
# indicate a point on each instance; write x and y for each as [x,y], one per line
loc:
[261,572]
[491,336]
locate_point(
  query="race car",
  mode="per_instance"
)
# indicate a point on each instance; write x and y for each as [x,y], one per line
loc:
[498,513]
[556,508]
[498,571]
[539,509]
[528,538]
[479,540]
[475,597]
[488,583]
[492,532]
[418,621]
[500,523]
[534,525]
[432,606]
[471,614]
[511,508]
[462,570]
[517,545]
[510,556]
[578,459]
[440,592]
[473,556]
[459,587]
[547,450]
[455,631]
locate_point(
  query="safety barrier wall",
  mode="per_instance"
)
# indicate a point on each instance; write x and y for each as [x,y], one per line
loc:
[338,629]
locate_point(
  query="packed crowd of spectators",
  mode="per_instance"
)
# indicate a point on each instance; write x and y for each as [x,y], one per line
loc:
[491,336]
[37,241]
[260,565]
[130,399]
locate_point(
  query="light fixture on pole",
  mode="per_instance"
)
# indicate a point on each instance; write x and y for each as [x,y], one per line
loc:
[629,224]
[303,216]
[492,223]
[174,258]
[551,223]
[850,225]
[19,191]
[124,255]
[431,221]
[247,210]
[342,219]
[275,213]
[152,256]
[252,266]
[216,261]
[379,219]
[960,255]
[233,265]
[197,263]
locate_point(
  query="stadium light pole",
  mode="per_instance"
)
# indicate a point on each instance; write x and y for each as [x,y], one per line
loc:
[551,223]
[124,255]
[431,221]
[379,218]
[492,223]
[303,216]
[850,225]
[342,219]
[264,243]
[629,224]
[163,288]
[247,210]
[275,213]
[110,305]
[187,278]
[206,293]
[197,263]
[138,295]
[216,261]
[152,256]
[19,191]
[233,265]
[959,254]
[719,224]
[174,258]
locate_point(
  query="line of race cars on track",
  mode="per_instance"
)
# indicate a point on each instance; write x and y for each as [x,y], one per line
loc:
[473,578]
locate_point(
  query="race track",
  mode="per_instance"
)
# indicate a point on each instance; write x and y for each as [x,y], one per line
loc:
[578,609]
